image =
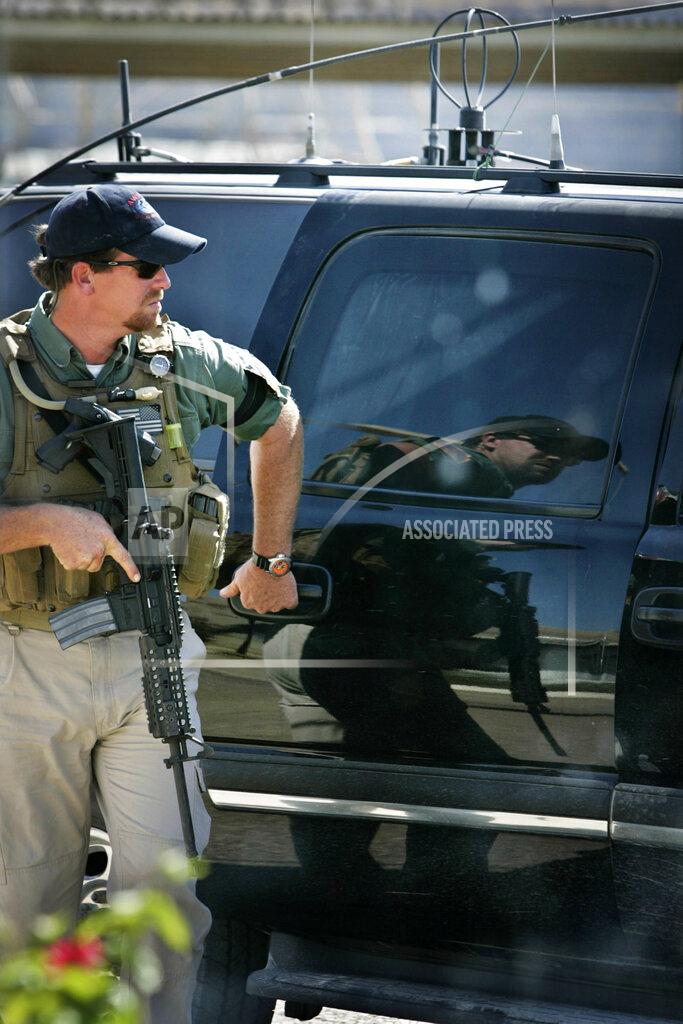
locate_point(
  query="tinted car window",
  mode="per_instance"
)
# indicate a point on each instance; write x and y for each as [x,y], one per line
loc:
[412,337]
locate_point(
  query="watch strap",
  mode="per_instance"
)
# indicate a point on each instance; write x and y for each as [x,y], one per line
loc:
[261,561]
[277,565]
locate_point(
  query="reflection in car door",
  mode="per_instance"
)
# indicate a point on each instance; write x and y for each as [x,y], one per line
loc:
[460,693]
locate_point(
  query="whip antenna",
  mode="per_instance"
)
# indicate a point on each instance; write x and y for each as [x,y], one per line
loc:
[288,72]
[311,156]
[556,147]
[128,144]
[310,139]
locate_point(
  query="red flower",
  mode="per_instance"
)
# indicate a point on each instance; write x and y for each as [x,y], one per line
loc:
[83,953]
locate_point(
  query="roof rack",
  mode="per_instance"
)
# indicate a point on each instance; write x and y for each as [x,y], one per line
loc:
[303,175]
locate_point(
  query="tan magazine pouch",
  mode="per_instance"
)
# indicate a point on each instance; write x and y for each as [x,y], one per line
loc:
[22,577]
[208,510]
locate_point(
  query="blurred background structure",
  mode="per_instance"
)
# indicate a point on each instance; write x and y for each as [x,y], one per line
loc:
[620,89]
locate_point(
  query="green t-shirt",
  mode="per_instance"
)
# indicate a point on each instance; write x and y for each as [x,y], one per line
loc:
[212,380]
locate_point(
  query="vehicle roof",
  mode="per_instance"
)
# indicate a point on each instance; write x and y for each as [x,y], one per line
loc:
[301,181]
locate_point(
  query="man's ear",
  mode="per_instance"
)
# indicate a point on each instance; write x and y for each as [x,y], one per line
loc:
[489,442]
[82,277]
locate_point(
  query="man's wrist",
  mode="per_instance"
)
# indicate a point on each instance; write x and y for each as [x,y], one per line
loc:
[40,519]
[277,565]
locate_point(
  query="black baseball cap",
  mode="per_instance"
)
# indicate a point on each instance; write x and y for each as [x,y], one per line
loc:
[582,446]
[115,217]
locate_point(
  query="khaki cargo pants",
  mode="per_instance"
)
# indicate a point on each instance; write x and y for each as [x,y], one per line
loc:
[69,718]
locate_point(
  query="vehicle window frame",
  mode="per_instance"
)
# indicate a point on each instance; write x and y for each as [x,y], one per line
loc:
[669,463]
[387,496]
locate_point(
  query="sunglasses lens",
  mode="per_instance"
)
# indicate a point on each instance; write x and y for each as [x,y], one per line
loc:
[148,270]
[553,446]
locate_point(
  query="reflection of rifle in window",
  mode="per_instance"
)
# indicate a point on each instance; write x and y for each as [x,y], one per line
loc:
[519,643]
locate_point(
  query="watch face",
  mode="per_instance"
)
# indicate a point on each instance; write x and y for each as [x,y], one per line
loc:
[160,364]
[279,566]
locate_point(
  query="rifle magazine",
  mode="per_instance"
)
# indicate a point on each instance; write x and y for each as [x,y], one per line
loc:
[83,621]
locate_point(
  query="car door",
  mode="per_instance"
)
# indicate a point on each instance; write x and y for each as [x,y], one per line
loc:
[647,824]
[432,761]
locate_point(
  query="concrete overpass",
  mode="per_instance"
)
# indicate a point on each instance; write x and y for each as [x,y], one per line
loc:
[236,39]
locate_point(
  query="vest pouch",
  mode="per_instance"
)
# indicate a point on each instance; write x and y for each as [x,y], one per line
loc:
[208,511]
[107,579]
[63,586]
[22,577]
[169,507]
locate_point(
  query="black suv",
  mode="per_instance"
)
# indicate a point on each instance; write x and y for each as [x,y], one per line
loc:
[447,787]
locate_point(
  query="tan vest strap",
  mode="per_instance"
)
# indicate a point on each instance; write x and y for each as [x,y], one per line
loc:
[149,344]
[161,340]
[21,433]
[15,340]
[168,387]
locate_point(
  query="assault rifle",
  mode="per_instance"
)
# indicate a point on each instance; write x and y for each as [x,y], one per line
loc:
[111,446]
[519,640]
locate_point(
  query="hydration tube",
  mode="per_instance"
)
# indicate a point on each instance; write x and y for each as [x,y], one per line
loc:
[297,69]
[31,396]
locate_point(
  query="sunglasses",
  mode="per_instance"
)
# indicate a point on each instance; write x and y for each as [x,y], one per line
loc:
[551,445]
[142,267]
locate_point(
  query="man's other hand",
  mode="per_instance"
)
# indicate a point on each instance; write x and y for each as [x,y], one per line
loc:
[260,591]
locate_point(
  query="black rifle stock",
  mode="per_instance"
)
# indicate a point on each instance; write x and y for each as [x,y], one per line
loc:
[519,637]
[151,606]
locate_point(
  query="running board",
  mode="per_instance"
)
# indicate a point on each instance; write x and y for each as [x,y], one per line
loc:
[430,1003]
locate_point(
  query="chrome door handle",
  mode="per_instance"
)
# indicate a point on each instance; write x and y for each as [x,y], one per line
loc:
[657,616]
[653,613]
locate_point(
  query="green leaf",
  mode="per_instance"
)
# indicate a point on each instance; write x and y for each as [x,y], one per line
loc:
[107,926]
[123,1017]
[34,989]
[178,869]
[83,984]
[69,1016]
[127,905]
[22,971]
[146,970]
[164,918]
[17,1010]
[47,928]
[125,1006]
[30,1008]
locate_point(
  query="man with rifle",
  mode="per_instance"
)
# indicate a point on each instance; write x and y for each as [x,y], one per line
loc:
[101,395]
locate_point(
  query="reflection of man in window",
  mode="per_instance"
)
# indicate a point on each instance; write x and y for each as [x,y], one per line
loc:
[506,454]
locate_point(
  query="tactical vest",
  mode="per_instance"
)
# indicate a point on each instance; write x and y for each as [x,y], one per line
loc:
[33,583]
[451,469]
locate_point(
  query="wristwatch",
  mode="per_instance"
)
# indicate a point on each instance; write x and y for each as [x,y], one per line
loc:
[276,565]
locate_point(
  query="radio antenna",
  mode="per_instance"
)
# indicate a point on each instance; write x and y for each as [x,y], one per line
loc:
[556,148]
[282,73]
[128,144]
[310,138]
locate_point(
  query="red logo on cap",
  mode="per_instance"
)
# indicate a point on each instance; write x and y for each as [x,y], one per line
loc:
[140,206]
